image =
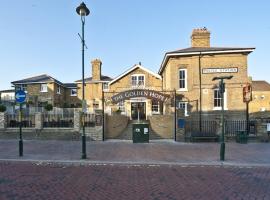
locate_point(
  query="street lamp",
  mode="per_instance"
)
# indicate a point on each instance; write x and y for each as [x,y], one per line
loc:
[83,11]
[221,91]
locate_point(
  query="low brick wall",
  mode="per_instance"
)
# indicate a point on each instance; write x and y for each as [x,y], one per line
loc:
[163,125]
[115,125]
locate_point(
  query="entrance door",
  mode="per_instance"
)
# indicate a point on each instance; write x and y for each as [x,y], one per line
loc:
[138,110]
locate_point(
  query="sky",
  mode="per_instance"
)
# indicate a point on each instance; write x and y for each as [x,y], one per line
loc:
[41,36]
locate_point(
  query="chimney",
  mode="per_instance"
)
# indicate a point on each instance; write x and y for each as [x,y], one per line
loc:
[200,37]
[96,70]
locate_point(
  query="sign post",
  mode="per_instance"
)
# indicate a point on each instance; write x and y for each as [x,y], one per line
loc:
[247,97]
[20,97]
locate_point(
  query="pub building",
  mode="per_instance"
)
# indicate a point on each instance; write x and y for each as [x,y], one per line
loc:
[139,92]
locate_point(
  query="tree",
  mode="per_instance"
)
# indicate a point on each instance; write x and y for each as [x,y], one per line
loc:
[2,108]
[48,107]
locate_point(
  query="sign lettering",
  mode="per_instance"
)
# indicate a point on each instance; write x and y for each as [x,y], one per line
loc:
[219,70]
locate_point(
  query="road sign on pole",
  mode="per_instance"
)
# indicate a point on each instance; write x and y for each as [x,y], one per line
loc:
[20,96]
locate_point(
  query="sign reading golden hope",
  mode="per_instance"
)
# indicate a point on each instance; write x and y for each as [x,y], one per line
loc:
[150,94]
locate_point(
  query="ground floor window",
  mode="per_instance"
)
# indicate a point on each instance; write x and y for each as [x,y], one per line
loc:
[183,106]
[155,107]
[217,99]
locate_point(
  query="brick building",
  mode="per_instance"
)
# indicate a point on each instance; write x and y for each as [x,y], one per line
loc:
[260,97]
[190,72]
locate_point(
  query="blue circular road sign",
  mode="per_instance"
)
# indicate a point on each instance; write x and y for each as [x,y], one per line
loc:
[20,96]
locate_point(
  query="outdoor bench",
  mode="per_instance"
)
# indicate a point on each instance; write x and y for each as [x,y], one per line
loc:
[198,136]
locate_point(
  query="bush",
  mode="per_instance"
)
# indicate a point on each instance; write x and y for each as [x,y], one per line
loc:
[48,107]
[3,108]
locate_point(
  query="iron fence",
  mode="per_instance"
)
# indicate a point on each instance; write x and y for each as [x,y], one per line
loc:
[58,121]
[13,121]
[90,120]
[207,126]
[232,127]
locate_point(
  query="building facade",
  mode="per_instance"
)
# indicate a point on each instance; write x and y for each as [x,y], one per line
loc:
[191,71]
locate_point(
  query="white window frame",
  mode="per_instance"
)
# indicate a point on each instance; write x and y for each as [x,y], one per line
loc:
[158,107]
[43,87]
[105,88]
[180,106]
[58,89]
[137,81]
[121,106]
[185,71]
[225,100]
[73,89]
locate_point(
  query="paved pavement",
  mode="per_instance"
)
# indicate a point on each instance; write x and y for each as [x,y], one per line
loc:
[51,181]
[125,152]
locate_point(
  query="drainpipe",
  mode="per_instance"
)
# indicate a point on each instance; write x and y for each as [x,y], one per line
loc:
[200,91]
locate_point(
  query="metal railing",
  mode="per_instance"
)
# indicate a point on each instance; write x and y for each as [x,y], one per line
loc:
[90,120]
[13,121]
[58,121]
[209,127]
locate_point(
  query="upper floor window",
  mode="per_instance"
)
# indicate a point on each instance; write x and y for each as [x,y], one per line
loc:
[58,89]
[182,79]
[137,80]
[21,87]
[183,106]
[43,87]
[121,106]
[105,86]
[73,92]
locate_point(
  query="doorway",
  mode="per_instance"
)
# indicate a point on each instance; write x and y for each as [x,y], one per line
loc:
[138,110]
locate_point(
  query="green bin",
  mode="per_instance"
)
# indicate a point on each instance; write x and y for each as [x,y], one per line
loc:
[140,133]
[241,137]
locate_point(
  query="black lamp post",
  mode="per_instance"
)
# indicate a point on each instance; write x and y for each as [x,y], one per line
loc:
[221,91]
[83,11]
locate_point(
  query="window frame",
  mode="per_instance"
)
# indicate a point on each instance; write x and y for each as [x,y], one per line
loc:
[185,79]
[225,100]
[73,95]
[42,87]
[158,107]
[58,91]
[185,107]
[107,86]
[137,80]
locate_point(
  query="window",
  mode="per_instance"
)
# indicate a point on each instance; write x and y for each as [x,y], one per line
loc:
[155,107]
[58,89]
[183,106]
[137,81]
[217,99]
[96,105]
[183,79]
[21,87]
[43,87]
[121,106]
[73,92]
[105,86]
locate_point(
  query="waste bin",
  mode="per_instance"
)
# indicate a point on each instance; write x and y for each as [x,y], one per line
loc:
[140,132]
[241,137]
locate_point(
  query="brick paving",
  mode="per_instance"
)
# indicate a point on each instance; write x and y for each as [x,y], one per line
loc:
[50,181]
[158,152]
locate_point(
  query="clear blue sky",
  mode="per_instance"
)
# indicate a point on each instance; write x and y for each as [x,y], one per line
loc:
[40,36]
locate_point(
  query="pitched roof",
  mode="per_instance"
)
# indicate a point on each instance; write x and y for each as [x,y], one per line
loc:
[8,91]
[103,78]
[43,78]
[70,85]
[132,69]
[260,86]
[192,51]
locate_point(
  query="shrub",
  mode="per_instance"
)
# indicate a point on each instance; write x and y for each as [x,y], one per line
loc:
[48,107]
[3,108]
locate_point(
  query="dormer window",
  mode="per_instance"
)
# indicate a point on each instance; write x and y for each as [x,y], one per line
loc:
[138,80]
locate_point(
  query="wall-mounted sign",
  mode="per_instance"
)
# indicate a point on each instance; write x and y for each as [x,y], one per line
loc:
[150,94]
[219,70]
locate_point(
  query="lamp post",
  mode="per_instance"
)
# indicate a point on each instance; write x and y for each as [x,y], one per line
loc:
[83,11]
[222,90]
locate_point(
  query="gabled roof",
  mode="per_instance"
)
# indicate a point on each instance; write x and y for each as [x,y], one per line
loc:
[43,78]
[132,69]
[90,79]
[260,86]
[7,91]
[193,51]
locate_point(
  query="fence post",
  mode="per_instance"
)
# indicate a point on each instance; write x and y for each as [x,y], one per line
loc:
[3,120]
[77,121]
[38,121]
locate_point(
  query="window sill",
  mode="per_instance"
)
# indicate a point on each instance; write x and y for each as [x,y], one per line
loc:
[73,95]
[219,108]
[43,91]
[182,90]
